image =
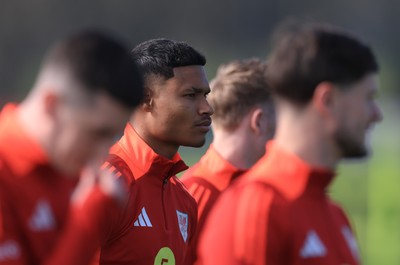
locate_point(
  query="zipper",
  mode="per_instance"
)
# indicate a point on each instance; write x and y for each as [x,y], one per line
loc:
[165,181]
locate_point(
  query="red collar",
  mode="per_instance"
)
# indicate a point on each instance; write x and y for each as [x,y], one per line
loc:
[142,159]
[217,170]
[290,174]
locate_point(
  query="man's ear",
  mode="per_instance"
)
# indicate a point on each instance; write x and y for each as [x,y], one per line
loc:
[255,120]
[51,102]
[148,100]
[324,98]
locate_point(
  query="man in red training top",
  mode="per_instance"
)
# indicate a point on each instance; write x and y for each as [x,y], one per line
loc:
[243,121]
[160,218]
[85,92]
[324,81]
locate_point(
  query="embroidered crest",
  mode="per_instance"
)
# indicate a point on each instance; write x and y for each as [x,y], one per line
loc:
[183,221]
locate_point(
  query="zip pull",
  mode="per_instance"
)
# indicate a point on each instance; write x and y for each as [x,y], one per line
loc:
[165,181]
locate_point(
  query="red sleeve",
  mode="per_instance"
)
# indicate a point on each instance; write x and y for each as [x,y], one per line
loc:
[88,226]
[205,195]
[349,232]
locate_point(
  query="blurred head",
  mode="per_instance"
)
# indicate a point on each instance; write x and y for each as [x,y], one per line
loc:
[89,86]
[175,108]
[323,66]
[241,97]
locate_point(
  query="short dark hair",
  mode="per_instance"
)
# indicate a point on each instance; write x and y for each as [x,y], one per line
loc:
[100,62]
[306,54]
[159,57]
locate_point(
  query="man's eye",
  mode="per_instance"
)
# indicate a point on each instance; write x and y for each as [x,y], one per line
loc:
[191,95]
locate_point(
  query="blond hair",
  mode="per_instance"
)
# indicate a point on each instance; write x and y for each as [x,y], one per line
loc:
[238,87]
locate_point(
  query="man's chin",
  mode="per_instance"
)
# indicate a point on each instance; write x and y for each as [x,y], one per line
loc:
[356,153]
[351,147]
[195,144]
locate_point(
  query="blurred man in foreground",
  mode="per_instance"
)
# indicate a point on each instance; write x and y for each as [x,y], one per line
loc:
[325,82]
[85,92]
[242,122]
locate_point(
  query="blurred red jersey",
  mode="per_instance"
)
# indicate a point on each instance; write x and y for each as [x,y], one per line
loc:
[205,181]
[34,197]
[278,213]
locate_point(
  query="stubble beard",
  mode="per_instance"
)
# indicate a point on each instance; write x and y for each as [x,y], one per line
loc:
[349,146]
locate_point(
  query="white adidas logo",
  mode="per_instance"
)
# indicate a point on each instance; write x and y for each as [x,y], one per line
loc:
[42,218]
[143,220]
[313,246]
[9,250]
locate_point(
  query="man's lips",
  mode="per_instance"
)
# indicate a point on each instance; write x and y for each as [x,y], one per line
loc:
[204,123]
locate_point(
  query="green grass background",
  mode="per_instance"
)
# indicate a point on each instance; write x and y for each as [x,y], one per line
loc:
[369,190]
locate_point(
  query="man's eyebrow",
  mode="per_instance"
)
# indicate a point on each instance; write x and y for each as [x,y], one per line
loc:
[201,90]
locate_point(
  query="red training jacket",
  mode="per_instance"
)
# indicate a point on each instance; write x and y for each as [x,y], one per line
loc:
[205,181]
[278,213]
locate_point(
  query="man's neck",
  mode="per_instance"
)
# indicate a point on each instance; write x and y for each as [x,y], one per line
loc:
[159,147]
[307,139]
[234,148]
